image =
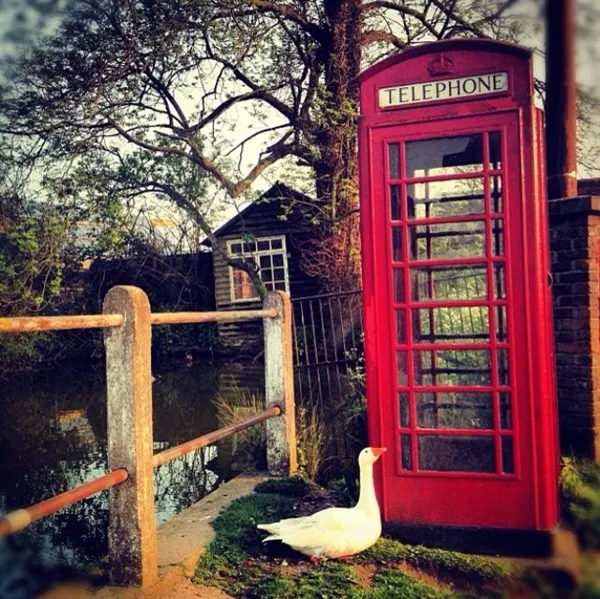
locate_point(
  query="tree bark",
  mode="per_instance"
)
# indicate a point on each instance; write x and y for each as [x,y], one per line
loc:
[336,258]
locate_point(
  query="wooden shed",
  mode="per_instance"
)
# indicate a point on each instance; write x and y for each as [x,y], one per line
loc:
[276,237]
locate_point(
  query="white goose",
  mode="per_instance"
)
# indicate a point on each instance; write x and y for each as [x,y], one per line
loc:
[336,532]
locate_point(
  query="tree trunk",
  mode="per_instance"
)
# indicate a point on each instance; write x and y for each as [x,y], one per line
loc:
[336,256]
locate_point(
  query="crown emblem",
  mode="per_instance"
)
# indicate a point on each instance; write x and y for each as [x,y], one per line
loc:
[440,65]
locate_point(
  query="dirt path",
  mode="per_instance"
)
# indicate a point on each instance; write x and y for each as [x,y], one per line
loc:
[174,583]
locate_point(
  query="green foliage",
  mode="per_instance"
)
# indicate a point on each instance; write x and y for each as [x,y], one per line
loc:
[250,444]
[310,432]
[204,336]
[580,499]
[292,486]
[31,265]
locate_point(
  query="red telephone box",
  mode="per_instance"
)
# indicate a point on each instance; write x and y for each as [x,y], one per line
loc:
[460,378]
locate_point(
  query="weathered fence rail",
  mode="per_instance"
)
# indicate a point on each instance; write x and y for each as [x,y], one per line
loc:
[127,322]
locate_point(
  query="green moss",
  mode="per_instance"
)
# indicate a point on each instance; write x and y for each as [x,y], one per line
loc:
[445,564]
[580,499]
[327,581]
[292,486]
[393,584]
[236,535]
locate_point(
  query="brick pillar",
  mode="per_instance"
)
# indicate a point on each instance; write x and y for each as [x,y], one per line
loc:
[574,239]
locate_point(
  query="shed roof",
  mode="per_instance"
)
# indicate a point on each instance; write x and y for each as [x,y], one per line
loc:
[279,193]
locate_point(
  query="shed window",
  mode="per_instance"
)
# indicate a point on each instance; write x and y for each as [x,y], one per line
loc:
[270,255]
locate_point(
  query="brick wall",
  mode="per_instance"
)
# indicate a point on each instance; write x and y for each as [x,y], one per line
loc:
[574,239]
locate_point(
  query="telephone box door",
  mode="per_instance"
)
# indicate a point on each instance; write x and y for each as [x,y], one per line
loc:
[457,418]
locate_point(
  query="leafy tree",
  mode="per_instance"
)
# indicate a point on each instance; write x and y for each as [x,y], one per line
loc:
[179,78]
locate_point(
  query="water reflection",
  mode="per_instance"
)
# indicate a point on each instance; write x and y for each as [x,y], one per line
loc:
[53,438]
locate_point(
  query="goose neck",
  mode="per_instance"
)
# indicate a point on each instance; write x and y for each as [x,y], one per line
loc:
[366,497]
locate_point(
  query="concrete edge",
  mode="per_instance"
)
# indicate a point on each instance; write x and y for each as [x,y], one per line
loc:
[183,538]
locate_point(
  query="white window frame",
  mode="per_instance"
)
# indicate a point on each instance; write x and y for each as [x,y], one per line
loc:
[256,255]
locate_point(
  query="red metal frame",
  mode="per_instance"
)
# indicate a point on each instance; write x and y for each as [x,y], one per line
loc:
[526,497]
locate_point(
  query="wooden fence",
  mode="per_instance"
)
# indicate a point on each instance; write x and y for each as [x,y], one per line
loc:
[127,320]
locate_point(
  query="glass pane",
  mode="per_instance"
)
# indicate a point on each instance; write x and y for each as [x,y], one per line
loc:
[503,367]
[394,161]
[236,248]
[463,324]
[276,244]
[452,367]
[243,288]
[495,150]
[448,240]
[496,194]
[451,453]
[400,327]
[455,410]
[404,409]
[277,259]
[399,295]
[264,261]
[505,411]
[449,283]
[250,247]
[402,368]
[501,324]
[266,275]
[395,202]
[508,459]
[263,245]
[280,285]
[406,451]
[499,281]
[445,198]
[444,156]
[498,237]
[396,244]
[278,274]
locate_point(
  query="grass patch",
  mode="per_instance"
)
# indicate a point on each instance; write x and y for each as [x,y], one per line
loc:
[330,580]
[448,565]
[580,499]
[237,561]
[237,537]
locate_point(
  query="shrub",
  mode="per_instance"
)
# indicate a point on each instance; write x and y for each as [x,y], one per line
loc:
[580,499]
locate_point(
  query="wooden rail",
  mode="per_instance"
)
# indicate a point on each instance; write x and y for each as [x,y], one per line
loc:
[20,519]
[29,324]
[176,452]
[127,321]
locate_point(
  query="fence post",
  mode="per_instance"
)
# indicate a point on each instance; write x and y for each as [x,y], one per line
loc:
[279,385]
[132,538]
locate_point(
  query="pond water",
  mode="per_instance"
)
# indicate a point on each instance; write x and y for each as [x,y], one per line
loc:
[53,438]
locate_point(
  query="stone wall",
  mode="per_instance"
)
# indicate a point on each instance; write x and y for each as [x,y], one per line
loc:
[574,239]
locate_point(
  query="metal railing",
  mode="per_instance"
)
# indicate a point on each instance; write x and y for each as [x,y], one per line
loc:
[127,322]
[328,340]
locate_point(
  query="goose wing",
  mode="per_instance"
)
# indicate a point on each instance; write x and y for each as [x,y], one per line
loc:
[331,520]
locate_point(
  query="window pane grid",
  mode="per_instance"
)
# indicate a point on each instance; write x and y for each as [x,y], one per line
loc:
[430,228]
[270,255]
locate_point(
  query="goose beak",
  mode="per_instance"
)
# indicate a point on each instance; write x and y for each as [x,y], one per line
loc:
[377,451]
